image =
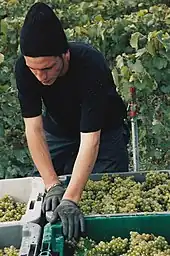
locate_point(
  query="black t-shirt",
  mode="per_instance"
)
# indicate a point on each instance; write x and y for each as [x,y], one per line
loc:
[83,100]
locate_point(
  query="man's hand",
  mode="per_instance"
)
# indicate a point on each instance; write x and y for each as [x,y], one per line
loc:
[71,217]
[53,197]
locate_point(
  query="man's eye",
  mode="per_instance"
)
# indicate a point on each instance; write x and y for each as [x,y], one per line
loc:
[47,68]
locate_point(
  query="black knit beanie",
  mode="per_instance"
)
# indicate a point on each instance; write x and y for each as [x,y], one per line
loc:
[42,33]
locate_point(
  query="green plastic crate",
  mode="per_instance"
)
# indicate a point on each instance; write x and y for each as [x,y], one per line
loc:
[103,228]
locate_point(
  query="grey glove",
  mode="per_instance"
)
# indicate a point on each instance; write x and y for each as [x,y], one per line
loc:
[53,198]
[71,217]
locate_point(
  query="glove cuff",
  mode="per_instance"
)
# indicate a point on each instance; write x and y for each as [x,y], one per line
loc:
[68,200]
[53,186]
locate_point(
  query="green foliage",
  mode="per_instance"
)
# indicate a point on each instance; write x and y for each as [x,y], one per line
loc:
[133,36]
[148,70]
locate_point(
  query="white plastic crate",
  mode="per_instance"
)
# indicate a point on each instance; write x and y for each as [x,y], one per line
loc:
[25,237]
[28,190]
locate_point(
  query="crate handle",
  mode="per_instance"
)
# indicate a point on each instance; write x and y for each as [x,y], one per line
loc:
[45,253]
[39,197]
[32,204]
[31,251]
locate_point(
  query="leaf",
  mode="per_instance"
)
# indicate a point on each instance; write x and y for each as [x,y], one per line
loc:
[84,18]
[158,154]
[150,48]
[159,62]
[125,90]
[84,31]
[92,31]
[165,89]
[125,72]
[12,172]
[98,18]
[140,52]
[78,30]
[2,131]
[140,85]
[142,12]
[150,23]
[167,19]
[4,88]
[115,76]
[138,67]
[164,39]
[4,31]
[20,155]
[120,62]
[166,54]
[133,78]
[134,40]
[1,58]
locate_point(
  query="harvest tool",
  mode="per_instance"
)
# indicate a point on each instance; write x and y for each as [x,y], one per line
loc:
[134,125]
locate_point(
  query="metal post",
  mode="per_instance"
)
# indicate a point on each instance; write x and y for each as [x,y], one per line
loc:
[135,144]
[133,115]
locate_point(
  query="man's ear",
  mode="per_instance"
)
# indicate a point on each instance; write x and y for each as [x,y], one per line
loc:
[66,56]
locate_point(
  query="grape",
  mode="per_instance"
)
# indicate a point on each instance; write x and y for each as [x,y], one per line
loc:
[115,194]
[154,179]
[9,251]
[136,245]
[11,210]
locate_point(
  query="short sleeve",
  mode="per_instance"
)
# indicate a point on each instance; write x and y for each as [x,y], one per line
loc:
[28,92]
[93,104]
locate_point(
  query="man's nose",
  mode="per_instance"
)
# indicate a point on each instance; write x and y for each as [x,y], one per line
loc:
[41,75]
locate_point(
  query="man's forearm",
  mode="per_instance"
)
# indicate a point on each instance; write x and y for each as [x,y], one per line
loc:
[83,166]
[41,157]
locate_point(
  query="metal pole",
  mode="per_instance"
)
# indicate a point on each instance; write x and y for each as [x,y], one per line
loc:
[133,115]
[135,144]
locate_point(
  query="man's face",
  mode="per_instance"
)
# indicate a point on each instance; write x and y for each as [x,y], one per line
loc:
[46,69]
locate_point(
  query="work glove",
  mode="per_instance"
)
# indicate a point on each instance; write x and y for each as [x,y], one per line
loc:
[71,217]
[53,197]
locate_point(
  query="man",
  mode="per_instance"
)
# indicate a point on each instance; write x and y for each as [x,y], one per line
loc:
[81,130]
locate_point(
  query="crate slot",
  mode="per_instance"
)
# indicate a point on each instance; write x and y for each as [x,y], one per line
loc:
[39,197]
[32,250]
[32,203]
